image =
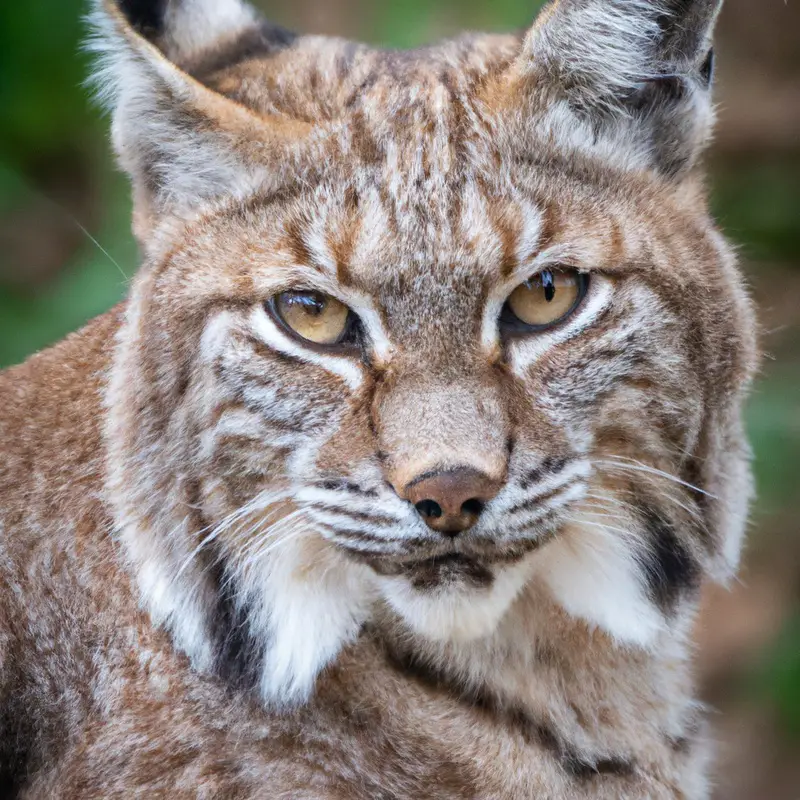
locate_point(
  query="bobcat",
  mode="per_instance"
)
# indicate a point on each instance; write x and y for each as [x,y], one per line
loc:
[399,471]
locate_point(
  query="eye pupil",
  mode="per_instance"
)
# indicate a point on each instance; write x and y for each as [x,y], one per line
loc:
[313,316]
[549,286]
[312,304]
[544,300]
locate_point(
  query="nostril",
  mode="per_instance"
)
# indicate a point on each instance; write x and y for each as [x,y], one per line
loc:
[450,501]
[473,507]
[429,508]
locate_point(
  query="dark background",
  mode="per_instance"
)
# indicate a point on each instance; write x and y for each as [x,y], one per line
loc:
[66,254]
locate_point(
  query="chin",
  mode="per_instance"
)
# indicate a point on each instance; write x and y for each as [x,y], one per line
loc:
[455,599]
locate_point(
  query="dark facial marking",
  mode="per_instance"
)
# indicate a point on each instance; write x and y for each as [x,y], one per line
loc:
[239,655]
[670,569]
[147,16]
[449,569]
[539,500]
[342,485]
[371,519]
[551,465]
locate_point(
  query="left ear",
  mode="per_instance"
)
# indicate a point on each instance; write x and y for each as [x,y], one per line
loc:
[183,143]
[634,74]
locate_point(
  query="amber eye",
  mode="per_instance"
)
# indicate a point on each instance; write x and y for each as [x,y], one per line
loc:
[318,318]
[544,300]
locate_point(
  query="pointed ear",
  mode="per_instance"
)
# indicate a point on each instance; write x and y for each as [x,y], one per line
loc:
[181,142]
[634,71]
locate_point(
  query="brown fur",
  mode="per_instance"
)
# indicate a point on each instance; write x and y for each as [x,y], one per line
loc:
[169,466]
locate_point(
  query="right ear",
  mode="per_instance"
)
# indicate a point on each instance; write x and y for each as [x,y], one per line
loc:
[182,143]
[630,79]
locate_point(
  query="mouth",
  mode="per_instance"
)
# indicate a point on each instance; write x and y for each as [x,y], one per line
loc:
[454,596]
[470,565]
[445,570]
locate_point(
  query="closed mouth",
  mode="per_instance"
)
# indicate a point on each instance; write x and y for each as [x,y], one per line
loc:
[440,571]
[469,562]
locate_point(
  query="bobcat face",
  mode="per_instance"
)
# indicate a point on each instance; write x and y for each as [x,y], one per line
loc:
[419,330]
[428,448]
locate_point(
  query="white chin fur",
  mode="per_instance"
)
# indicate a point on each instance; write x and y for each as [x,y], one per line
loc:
[456,613]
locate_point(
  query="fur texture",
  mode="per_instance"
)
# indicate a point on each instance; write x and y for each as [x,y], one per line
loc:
[210,583]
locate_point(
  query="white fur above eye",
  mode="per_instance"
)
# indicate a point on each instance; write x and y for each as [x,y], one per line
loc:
[266,330]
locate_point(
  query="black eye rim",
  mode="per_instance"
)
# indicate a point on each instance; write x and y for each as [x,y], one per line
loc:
[512,326]
[349,342]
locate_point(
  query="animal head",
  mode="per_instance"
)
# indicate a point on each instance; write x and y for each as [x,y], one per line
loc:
[420,329]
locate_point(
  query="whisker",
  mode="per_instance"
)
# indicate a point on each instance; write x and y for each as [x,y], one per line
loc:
[266,530]
[692,512]
[264,499]
[262,529]
[270,547]
[99,246]
[597,513]
[612,499]
[625,532]
[638,466]
[53,204]
[341,511]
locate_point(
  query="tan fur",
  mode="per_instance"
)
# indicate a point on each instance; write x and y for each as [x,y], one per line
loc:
[209,582]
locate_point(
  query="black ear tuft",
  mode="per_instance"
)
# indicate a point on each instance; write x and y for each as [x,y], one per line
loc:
[147,16]
[707,68]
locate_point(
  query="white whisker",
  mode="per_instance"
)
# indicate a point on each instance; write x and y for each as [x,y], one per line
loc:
[692,512]
[264,499]
[602,526]
[596,511]
[278,535]
[612,499]
[638,466]
[263,528]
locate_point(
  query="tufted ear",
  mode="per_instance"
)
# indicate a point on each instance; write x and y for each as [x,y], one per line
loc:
[634,74]
[183,143]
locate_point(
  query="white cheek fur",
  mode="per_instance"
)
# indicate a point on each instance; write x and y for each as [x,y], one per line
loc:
[311,602]
[593,574]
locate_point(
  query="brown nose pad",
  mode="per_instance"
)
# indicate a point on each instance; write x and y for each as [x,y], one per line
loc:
[451,501]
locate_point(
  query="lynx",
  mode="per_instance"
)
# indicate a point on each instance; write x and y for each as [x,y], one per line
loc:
[399,471]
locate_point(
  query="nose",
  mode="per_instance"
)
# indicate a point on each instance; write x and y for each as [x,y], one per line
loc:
[451,501]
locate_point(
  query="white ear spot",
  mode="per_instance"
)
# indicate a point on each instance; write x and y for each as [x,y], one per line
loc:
[197,25]
[605,63]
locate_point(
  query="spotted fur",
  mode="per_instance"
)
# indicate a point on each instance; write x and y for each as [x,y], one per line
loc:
[209,585]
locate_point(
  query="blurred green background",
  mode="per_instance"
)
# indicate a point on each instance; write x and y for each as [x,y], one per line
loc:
[66,254]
